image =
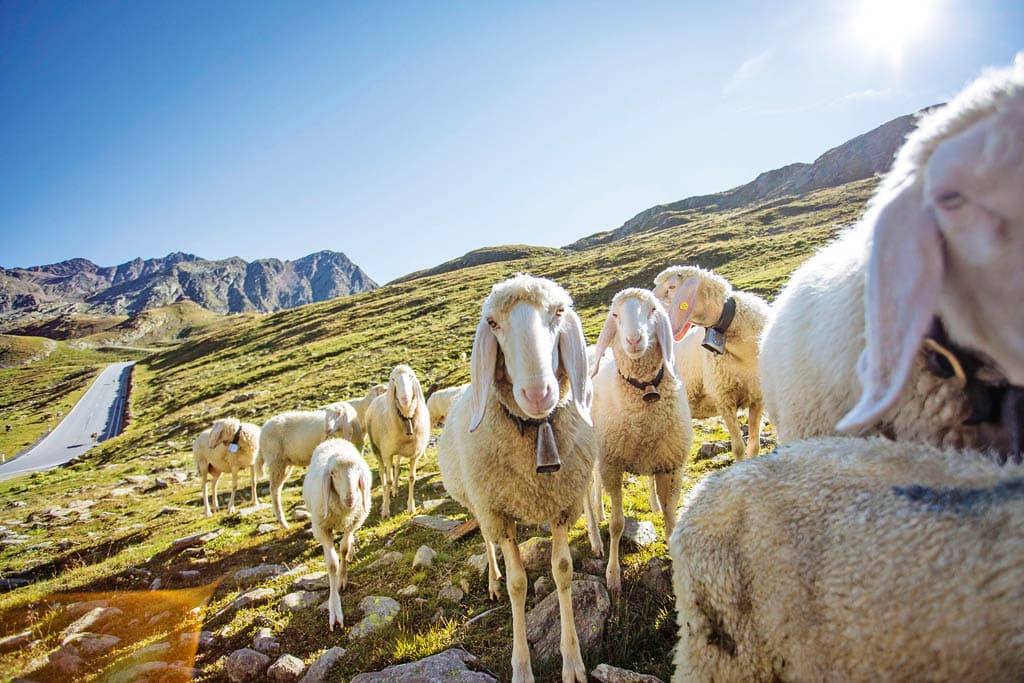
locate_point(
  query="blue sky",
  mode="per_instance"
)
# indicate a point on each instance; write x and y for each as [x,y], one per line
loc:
[405,134]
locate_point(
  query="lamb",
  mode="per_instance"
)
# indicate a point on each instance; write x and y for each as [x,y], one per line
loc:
[227,446]
[398,426]
[345,419]
[728,379]
[641,414]
[361,404]
[855,559]
[907,325]
[337,492]
[440,402]
[288,440]
[518,446]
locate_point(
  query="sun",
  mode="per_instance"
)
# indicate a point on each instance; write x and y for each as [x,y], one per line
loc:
[888,28]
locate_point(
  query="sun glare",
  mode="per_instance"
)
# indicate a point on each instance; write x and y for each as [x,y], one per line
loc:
[889,27]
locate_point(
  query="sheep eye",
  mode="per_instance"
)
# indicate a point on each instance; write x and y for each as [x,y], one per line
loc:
[560,312]
[493,325]
[951,200]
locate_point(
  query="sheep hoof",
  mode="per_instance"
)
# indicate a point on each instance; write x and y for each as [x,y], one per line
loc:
[597,549]
[574,672]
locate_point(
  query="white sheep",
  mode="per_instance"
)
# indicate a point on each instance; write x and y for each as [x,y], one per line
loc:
[727,381]
[440,402]
[346,422]
[361,404]
[227,446]
[641,414]
[852,559]
[518,447]
[288,440]
[908,326]
[337,493]
[398,426]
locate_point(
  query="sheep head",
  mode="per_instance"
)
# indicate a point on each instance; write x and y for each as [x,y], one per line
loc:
[691,295]
[636,320]
[947,228]
[338,419]
[223,431]
[529,321]
[404,391]
[348,483]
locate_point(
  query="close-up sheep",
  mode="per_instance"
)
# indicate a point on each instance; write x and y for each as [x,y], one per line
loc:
[397,427]
[227,446]
[518,446]
[901,327]
[640,411]
[343,420]
[440,402]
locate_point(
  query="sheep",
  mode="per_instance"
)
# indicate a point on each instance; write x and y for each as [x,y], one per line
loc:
[227,446]
[398,425]
[345,422]
[641,414]
[518,446]
[728,380]
[288,440]
[855,559]
[337,493]
[907,326]
[361,404]
[440,402]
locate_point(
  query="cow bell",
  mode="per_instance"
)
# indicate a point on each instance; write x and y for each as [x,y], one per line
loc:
[547,451]
[408,425]
[714,341]
[651,394]
[233,447]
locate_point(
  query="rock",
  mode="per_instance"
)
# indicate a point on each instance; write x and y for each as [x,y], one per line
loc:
[286,669]
[195,539]
[378,611]
[536,554]
[77,609]
[450,593]
[253,575]
[429,505]
[593,565]
[606,673]
[656,576]
[723,459]
[246,665]
[299,600]
[266,529]
[542,588]
[424,557]
[154,651]
[169,510]
[189,574]
[639,533]
[591,606]
[93,620]
[442,524]
[121,492]
[319,669]
[301,515]
[710,449]
[385,560]
[92,644]
[138,573]
[206,640]
[66,661]
[158,484]
[251,510]
[265,642]
[409,591]
[11,584]
[449,665]
[317,581]
[478,563]
[157,582]
[136,479]
[251,597]
[15,641]
[157,618]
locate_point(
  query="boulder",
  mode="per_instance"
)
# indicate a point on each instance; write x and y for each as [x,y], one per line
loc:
[591,606]
[449,665]
[246,665]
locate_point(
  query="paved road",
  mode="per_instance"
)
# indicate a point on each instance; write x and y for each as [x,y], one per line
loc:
[98,411]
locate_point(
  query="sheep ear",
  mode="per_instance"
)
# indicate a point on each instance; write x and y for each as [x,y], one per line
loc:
[572,348]
[663,331]
[344,426]
[326,490]
[364,487]
[215,432]
[903,278]
[481,370]
[418,390]
[604,340]
[681,309]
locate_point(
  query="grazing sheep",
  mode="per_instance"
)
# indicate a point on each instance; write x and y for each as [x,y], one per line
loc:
[440,402]
[852,560]
[729,380]
[908,326]
[337,492]
[361,404]
[518,447]
[398,426]
[343,419]
[641,415]
[227,446]
[288,440]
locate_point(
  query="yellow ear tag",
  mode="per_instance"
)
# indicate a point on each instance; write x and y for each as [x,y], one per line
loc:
[685,306]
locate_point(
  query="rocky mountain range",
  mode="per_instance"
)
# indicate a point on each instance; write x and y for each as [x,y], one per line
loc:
[226,286]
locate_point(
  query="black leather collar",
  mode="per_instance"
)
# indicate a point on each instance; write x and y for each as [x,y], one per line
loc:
[728,313]
[238,434]
[642,386]
[523,422]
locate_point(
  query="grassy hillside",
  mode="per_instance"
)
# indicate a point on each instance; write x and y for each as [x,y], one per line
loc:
[305,357]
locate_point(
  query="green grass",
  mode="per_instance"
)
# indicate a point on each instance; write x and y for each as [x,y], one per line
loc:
[305,357]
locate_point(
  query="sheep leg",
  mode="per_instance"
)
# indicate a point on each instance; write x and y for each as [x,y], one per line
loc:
[515,582]
[255,500]
[616,522]
[493,573]
[732,423]
[669,485]
[385,485]
[234,487]
[573,670]
[215,476]
[412,482]
[346,556]
[278,474]
[326,538]
[598,500]
[593,531]
[652,496]
[206,498]
[754,429]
